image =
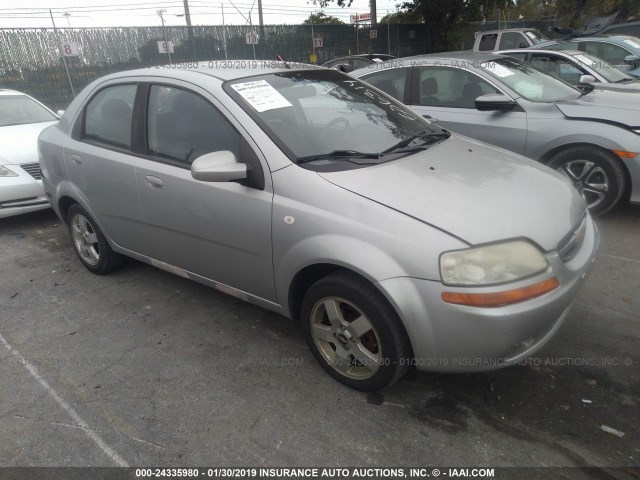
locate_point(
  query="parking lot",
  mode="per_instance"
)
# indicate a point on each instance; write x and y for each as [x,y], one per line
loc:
[142,367]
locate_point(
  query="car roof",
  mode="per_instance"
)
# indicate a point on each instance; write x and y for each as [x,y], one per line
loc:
[221,69]
[518,29]
[430,58]
[582,38]
[566,51]
[461,55]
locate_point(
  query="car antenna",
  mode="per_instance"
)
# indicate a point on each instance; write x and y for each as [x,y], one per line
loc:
[280,58]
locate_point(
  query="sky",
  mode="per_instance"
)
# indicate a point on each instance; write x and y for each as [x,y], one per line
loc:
[111,13]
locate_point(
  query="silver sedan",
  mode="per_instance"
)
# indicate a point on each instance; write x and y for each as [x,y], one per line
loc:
[592,138]
[312,194]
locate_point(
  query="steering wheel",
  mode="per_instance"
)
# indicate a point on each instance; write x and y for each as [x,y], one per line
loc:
[344,131]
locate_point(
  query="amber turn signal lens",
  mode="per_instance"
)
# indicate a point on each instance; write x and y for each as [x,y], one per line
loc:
[499,299]
[623,154]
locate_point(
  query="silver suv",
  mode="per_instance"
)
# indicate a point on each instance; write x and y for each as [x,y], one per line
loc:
[312,194]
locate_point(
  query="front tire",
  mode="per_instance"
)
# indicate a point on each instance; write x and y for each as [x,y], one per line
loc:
[90,244]
[596,174]
[354,333]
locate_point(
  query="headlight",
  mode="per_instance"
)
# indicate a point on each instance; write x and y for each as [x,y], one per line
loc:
[492,264]
[5,172]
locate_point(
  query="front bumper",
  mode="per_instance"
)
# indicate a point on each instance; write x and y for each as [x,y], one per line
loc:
[21,194]
[456,338]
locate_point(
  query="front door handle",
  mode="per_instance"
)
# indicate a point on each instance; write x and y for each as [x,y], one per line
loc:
[76,159]
[154,182]
[430,118]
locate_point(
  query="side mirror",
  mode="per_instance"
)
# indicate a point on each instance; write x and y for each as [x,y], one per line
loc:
[494,101]
[631,60]
[344,67]
[60,113]
[587,79]
[218,167]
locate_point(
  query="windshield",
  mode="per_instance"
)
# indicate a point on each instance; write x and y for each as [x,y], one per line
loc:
[20,109]
[607,71]
[310,113]
[536,37]
[529,82]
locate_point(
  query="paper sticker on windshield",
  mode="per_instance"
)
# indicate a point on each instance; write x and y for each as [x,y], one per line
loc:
[499,70]
[377,60]
[531,35]
[261,96]
[583,59]
[632,43]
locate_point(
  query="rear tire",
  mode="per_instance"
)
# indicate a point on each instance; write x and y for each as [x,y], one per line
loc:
[90,244]
[596,174]
[354,333]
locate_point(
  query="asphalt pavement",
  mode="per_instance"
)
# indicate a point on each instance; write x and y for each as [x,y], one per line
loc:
[145,368]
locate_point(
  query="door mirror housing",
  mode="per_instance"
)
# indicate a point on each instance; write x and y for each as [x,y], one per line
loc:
[344,67]
[222,166]
[631,60]
[494,101]
[587,79]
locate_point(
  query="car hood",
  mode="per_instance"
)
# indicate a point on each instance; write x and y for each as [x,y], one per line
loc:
[619,87]
[473,191]
[609,106]
[19,143]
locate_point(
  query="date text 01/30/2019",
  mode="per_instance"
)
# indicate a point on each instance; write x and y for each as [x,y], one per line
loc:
[303,473]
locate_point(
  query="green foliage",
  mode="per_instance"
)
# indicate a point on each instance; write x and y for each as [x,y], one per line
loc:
[401,17]
[321,18]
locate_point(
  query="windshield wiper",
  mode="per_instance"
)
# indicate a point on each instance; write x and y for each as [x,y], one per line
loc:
[337,154]
[421,135]
[626,80]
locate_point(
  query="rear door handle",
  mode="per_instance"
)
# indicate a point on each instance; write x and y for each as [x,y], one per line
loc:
[153,182]
[76,158]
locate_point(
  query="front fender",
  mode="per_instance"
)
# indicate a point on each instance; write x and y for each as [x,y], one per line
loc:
[351,253]
[609,137]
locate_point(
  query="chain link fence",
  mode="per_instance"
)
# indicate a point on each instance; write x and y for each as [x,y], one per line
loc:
[31,58]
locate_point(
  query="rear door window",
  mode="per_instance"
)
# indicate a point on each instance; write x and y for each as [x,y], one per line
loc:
[108,116]
[513,40]
[391,81]
[488,42]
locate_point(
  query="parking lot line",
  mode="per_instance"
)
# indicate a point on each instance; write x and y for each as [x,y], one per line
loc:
[110,452]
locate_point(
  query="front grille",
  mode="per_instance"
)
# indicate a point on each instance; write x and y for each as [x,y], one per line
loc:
[571,243]
[32,169]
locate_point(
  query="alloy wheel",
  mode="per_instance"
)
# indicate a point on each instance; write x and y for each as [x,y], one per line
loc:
[85,239]
[346,338]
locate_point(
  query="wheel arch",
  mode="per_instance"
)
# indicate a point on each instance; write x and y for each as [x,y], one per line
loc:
[64,204]
[548,155]
[307,276]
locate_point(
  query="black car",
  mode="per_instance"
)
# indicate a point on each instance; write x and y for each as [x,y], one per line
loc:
[352,62]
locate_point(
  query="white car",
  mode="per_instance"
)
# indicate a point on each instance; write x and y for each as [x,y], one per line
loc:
[22,118]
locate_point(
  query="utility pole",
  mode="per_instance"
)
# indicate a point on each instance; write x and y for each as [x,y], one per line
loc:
[224,35]
[374,14]
[64,60]
[164,32]
[260,20]
[187,15]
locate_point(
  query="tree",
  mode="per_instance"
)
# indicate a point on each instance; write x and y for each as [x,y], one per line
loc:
[401,17]
[440,16]
[321,18]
